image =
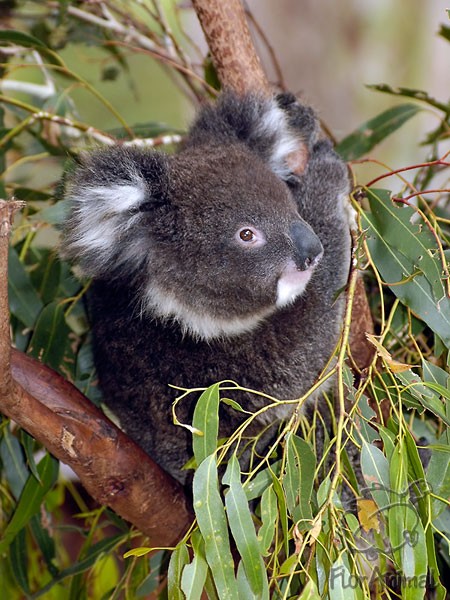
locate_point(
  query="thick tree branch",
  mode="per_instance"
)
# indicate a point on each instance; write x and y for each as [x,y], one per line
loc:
[233,53]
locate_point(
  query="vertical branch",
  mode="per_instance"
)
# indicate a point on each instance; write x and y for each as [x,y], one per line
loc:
[233,53]
[7,211]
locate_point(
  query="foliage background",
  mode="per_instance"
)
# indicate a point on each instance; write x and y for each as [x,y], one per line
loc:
[96,83]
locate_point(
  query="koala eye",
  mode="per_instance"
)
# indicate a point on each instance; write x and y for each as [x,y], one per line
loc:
[246,235]
[250,237]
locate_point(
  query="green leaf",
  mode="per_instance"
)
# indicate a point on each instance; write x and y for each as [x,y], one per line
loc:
[269,515]
[434,374]
[45,543]
[178,560]
[375,470]
[206,421]
[29,446]
[310,592]
[194,575]
[31,499]
[14,466]
[425,393]
[410,93]
[94,553]
[212,523]
[444,32]
[19,38]
[282,509]
[404,254]
[438,478]
[372,132]
[244,588]
[18,558]
[341,584]
[399,502]
[50,339]
[299,478]
[261,482]
[243,530]
[24,301]
[49,277]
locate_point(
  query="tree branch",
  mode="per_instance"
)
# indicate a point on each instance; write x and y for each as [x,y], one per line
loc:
[233,53]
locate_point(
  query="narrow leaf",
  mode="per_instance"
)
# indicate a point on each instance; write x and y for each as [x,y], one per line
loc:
[18,558]
[438,478]
[212,523]
[299,478]
[206,421]
[243,530]
[371,133]
[51,336]
[194,575]
[404,253]
[341,584]
[14,466]
[375,470]
[269,515]
[178,560]
[24,301]
[31,499]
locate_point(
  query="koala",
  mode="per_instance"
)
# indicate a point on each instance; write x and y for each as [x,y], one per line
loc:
[220,262]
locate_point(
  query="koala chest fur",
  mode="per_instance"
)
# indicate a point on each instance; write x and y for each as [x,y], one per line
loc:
[217,263]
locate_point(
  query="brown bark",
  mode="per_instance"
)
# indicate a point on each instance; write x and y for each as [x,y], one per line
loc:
[233,53]
[112,468]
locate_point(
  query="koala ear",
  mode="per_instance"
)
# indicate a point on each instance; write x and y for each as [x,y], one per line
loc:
[280,129]
[110,194]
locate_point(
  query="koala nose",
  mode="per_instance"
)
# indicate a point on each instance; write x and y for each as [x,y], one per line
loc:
[308,248]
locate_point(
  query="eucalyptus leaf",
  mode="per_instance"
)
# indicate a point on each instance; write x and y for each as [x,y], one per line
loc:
[375,470]
[194,574]
[243,530]
[178,560]
[50,340]
[269,514]
[31,498]
[18,558]
[24,301]
[371,133]
[438,478]
[80,566]
[404,252]
[14,466]
[299,478]
[212,523]
[404,92]
[206,421]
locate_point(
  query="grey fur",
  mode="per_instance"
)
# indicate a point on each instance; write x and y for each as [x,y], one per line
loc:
[179,298]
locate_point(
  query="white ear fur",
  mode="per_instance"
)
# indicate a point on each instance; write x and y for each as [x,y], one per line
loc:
[275,122]
[102,215]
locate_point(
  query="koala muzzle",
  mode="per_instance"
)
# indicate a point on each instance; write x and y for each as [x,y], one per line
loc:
[307,246]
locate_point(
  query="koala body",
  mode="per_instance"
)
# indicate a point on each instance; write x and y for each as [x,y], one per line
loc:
[216,263]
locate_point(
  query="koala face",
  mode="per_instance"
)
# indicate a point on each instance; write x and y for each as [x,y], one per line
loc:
[237,250]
